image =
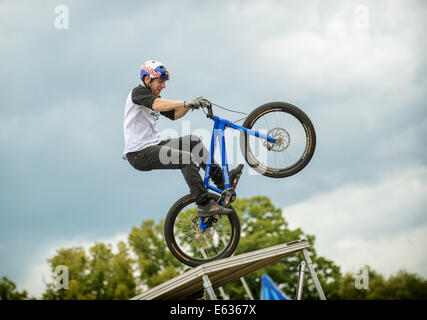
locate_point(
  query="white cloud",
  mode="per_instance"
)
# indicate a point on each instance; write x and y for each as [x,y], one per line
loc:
[320,48]
[382,224]
[347,60]
[404,141]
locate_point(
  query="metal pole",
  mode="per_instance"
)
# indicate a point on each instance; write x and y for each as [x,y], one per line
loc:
[313,275]
[301,269]
[208,287]
[248,291]
[221,290]
[223,294]
[245,285]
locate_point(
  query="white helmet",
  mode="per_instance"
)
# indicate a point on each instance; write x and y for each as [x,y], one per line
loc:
[154,69]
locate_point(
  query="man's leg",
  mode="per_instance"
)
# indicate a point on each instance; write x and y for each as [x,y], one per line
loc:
[193,145]
[164,157]
[201,154]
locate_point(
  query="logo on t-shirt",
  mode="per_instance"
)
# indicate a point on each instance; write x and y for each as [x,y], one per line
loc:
[155,115]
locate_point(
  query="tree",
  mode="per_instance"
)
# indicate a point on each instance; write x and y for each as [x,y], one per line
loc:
[263,226]
[104,275]
[101,275]
[260,220]
[401,286]
[155,263]
[8,291]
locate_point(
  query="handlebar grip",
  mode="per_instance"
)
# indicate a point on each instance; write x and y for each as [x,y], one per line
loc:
[210,113]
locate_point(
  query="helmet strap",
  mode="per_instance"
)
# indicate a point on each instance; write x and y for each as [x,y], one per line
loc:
[148,84]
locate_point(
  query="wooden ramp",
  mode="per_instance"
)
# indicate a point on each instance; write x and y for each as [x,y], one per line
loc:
[193,283]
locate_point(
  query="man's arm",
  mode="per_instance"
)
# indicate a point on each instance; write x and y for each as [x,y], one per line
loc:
[180,107]
[161,104]
[180,112]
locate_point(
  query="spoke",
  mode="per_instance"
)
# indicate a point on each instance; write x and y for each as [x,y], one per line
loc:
[284,158]
[299,154]
[213,245]
[180,228]
[294,120]
[275,161]
[268,127]
[182,242]
[275,116]
[186,235]
[184,225]
[293,134]
[222,232]
[191,240]
[183,230]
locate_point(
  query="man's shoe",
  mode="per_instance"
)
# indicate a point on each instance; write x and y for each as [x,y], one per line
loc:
[212,208]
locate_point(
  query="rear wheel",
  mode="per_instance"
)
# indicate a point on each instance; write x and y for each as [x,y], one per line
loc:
[295,135]
[195,241]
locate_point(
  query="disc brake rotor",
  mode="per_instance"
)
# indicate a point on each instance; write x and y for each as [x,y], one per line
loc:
[283,140]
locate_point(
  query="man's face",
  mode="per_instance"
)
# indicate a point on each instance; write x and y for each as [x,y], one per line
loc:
[157,85]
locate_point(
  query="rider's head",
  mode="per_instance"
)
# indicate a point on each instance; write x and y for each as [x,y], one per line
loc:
[154,75]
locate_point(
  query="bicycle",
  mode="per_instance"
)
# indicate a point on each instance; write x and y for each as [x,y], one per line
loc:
[268,128]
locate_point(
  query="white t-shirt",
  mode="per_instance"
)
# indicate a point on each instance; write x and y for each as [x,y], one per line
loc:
[140,120]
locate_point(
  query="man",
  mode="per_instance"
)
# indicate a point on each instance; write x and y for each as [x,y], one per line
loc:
[145,151]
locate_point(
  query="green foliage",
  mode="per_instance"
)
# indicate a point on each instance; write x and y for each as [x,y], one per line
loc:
[263,226]
[101,275]
[8,291]
[155,263]
[402,286]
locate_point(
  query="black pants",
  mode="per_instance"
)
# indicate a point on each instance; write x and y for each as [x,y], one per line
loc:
[186,153]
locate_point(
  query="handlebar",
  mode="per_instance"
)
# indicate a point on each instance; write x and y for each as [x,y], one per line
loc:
[210,113]
[208,107]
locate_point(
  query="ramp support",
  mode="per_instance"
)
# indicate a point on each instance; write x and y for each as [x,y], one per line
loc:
[207,285]
[313,275]
[202,280]
[301,270]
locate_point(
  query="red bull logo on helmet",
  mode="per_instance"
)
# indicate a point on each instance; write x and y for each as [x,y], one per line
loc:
[150,71]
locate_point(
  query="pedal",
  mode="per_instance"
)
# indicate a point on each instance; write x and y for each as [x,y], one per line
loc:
[227,197]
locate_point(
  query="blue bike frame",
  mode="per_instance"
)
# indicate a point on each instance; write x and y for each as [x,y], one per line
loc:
[218,132]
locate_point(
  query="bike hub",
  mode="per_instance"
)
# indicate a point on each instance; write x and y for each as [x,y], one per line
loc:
[283,140]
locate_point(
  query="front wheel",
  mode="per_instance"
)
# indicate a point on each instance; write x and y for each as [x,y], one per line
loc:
[195,241]
[294,134]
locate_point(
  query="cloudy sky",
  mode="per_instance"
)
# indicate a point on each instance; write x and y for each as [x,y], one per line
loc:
[357,68]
